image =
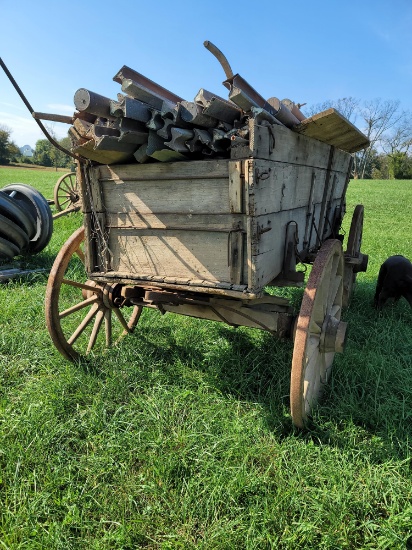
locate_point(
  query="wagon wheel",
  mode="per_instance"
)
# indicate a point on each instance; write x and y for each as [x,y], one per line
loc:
[355,261]
[319,331]
[66,192]
[79,315]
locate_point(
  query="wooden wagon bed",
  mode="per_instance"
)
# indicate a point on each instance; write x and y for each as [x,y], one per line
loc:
[217,223]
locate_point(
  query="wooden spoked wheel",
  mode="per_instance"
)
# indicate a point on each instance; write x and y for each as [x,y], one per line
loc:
[66,192]
[319,332]
[355,261]
[79,315]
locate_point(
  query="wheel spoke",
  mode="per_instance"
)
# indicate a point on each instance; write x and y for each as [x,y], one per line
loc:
[312,347]
[96,327]
[108,327]
[62,203]
[80,254]
[335,311]
[315,385]
[353,250]
[326,366]
[122,320]
[311,376]
[66,186]
[83,286]
[314,327]
[333,289]
[78,306]
[86,321]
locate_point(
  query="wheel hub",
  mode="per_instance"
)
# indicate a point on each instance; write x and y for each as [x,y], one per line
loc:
[333,335]
[88,293]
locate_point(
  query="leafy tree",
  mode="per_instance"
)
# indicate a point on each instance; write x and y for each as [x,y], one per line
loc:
[8,149]
[397,145]
[46,154]
[14,151]
[400,166]
[42,153]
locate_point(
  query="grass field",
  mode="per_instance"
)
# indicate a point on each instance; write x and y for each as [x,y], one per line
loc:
[181,437]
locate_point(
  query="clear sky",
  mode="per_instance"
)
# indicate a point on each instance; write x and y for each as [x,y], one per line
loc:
[306,50]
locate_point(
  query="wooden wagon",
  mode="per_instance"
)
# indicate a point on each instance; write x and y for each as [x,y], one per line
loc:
[205,238]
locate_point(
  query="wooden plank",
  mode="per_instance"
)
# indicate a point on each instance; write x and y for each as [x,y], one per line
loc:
[232,312]
[281,144]
[239,292]
[191,254]
[236,181]
[95,190]
[333,128]
[181,196]
[275,186]
[173,221]
[266,249]
[236,256]
[184,170]
[82,127]
[90,248]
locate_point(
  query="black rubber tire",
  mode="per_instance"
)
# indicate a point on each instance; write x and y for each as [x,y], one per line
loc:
[11,209]
[13,233]
[33,201]
[8,249]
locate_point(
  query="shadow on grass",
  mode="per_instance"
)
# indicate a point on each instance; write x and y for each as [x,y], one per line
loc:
[369,392]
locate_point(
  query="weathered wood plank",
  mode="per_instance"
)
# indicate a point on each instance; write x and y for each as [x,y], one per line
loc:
[333,128]
[236,256]
[185,170]
[191,254]
[281,144]
[275,186]
[182,196]
[232,312]
[236,184]
[175,220]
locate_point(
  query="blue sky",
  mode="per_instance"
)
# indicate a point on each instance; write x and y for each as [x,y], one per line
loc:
[307,51]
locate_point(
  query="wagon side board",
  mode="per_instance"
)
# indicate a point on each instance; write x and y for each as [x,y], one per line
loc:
[280,195]
[186,221]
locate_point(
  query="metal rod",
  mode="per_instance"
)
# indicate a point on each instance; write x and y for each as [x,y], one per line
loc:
[220,57]
[29,107]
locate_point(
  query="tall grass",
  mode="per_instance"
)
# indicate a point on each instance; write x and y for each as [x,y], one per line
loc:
[181,437]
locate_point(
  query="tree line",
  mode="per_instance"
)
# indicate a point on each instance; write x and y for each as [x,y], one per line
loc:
[389,130]
[387,126]
[45,154]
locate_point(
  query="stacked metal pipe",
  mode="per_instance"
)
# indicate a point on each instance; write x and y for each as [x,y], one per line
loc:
[26,220]
[148,122]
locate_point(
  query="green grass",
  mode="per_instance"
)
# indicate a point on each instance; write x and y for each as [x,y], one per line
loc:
[181,437]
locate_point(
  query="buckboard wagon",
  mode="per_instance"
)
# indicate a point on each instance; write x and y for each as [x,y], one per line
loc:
[204,238]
